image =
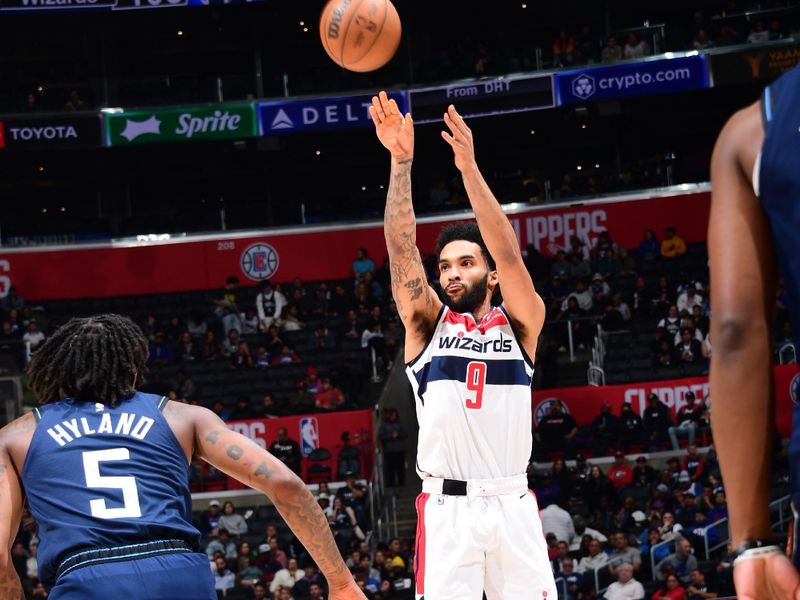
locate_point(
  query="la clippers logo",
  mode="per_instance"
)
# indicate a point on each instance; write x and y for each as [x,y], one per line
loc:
[2,135]
[260,261]
[543,409]
[309,434]
[794,389]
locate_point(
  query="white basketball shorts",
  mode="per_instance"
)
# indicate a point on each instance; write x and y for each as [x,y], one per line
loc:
[488,540]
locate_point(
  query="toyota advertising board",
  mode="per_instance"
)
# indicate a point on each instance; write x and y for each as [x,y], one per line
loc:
[76,130]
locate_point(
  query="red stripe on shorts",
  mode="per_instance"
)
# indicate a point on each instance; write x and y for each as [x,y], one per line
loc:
[419,555]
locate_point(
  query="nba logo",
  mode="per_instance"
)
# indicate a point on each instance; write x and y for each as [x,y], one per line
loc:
[309,435]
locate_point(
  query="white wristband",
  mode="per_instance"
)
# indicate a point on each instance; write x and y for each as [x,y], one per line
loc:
[754,553]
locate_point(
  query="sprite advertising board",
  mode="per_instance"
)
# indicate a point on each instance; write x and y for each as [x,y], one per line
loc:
[198,123]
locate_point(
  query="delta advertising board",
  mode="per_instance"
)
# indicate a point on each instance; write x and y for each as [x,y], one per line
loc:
[312,432]
[584,403]
[315,253]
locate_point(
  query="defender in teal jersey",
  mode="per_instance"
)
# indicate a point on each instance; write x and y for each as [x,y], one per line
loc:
[104,468]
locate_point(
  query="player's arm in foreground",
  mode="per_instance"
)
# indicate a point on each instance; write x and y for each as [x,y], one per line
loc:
[417,303]
[251,464]
[743,279]
[11,504]
[523,304]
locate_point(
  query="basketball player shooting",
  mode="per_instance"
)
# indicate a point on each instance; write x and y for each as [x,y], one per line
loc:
[469,363]
[753,230]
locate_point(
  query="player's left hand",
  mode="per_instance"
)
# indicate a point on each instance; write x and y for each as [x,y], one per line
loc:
[460,140]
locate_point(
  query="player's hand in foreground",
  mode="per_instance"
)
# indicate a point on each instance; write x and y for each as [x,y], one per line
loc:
[460,140]
[395,131]
[769,578]
[349,591]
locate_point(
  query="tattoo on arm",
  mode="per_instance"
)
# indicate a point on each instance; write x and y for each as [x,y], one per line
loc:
[264,471]
[235,452]
[10,585]
[213,437]
[400,229]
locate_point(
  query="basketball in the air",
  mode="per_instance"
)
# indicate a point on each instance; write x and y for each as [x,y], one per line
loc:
[360,35]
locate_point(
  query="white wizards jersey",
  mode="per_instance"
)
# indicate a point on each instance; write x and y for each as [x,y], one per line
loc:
[472,385]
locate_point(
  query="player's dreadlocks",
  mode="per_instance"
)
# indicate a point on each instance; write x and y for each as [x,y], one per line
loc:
[96,359]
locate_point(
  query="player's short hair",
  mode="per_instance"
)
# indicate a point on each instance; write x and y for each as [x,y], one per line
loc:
[467,231]
[95,359]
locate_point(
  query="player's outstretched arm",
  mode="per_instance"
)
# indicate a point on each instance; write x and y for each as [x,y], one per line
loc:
[743,279]
[10,511]
[417,303]
[523,304]
[251,464]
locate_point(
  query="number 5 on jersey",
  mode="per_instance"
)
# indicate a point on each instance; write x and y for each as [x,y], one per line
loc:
[130,495]
[476,380]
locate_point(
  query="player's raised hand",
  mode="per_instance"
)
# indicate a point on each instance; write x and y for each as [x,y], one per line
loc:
[768,578]
[460,139]
[395,131]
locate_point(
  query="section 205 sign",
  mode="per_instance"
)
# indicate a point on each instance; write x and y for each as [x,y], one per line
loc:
[198,123]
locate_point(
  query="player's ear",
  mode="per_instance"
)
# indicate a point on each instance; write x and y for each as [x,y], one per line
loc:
[492,279]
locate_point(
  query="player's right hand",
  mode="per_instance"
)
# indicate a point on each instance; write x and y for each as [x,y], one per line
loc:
[395,131]
[350,591]
[769,578]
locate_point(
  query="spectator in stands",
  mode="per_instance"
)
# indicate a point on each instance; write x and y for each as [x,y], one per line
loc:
[604,429]
[701,41]
[720,508]
[657,421]
[649,247]
[324,338]
[595,559]
[611,51]
[33,336]
[373,340]
[622,553]
[286,356]
[652,538]
[626,264]
[287,577]
[557,521]
[268,408]
[599,487]
[223,544]
[187,350]
[242,358]
[699,587]
[75,102]
[681,562]
[224,579]
[211,349]
[577,247]
[563,50]
[573,580]
[392,435]
[758,34]
[262,358]
[671,324]
[672,246]
[353,327]
[669,528]
[184,386]
[250,322]
[329,398]
[626,587]
[209,519]
[362,264]
[556,431]
[561,267]
[688,300]
[607,264]
[248,574]
[635,47]
[197,327]
[242,410]
[671,589]
[631,428]
[292,320]
[602,243]
[232,521]
[231,344]
[161,353]
[666,355]
[600,290]
[344,524]
[226,308]
[269,305]
[686,419]
[302,401]
[664,297]
[286,450]
[562,552]
[7,334]
[693,463]
[581,295]
[644,476]
[689,350]
[620,473]
[12,301]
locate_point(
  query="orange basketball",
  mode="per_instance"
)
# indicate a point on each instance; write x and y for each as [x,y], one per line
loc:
[360,35]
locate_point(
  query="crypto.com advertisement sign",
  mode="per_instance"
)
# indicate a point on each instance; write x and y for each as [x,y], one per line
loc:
[315,253]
